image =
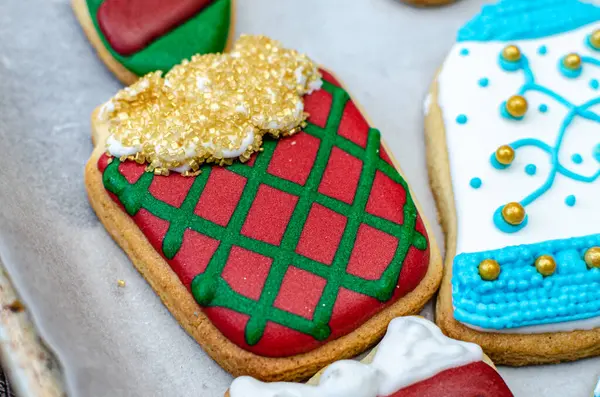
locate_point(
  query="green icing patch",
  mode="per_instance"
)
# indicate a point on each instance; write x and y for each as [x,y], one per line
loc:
[204,33]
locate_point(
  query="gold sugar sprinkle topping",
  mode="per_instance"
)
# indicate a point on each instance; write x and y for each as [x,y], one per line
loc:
[212,108]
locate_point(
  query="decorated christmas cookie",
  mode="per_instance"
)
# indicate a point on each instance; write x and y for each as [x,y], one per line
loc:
[414,359]
[136,37]
[597,390]
[253,195]
[513,122]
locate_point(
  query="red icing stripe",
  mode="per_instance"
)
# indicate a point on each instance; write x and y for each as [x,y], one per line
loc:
[131,25]
[473,380]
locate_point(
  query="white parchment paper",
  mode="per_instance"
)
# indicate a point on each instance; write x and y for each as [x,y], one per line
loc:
[121,341]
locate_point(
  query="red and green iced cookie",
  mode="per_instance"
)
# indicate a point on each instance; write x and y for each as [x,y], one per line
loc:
[281,264]
[135,37]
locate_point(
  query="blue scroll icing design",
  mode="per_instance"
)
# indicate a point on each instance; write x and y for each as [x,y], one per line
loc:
[553,151]
[528,19]
[521,296]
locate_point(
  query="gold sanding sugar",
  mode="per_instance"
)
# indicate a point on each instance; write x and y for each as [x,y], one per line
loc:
[212,108]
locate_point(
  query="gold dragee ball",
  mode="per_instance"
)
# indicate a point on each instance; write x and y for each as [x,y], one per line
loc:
[545,265]
[595,39]
[592,257]
[513,213]
[511,53]
[572,61]
[505,155]
[489,269]
[517,106]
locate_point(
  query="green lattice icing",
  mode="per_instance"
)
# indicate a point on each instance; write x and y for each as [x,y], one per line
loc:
[211,290]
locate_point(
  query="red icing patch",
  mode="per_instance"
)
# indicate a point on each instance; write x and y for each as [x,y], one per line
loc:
[131,171]
[269,215]
[321,234]
[387,199]
[353,125]
[220,196]
[473,380]
[193,257]
[171,190]
[153,228]
[300,292]
[246,272]
[369,260]
[131,25]
[285,162]
[341,167]
[317,106]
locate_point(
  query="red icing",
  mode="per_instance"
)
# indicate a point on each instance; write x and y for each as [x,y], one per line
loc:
[131,25]
[321,234]
[269,215]
[341,167]
[367,260]
[171,190]
[387,199]
[223,191]
[317,106]
[285,164]
[245,271]
[299,283]
[353,125]
[473,380]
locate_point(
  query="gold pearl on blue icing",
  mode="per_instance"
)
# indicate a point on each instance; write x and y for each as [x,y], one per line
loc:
[592,257]
[572,61]
[511,53]
[489,269]
[594,39]
[517,106]
[545,265]
[513,213]
[505,155]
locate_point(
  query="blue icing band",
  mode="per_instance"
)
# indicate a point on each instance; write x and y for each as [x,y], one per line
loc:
[570,200]
[464,52]
[527,19]
[543,108]
[521,296]
[530,169]
[484,82]
[577,159]
[574,111]
[475,183]
[594,84]
[461,119]
[505,226]
[543,50]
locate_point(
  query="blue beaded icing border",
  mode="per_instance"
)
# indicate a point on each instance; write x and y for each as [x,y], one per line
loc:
[521,296]
[528,19]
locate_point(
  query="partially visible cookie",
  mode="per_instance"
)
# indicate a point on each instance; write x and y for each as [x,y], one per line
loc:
[135,37]
[428,3]
[414,359]
[512,124]
[597,390]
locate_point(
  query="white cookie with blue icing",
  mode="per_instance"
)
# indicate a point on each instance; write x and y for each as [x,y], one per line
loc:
[516,105]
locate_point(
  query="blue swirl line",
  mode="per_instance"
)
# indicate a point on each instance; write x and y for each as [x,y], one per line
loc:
[574,111]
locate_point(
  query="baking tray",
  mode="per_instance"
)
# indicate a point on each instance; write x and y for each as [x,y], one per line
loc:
[113,341]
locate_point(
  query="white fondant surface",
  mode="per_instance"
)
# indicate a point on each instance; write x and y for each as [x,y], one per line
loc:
[566,326]
[470,145]
[413,350]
